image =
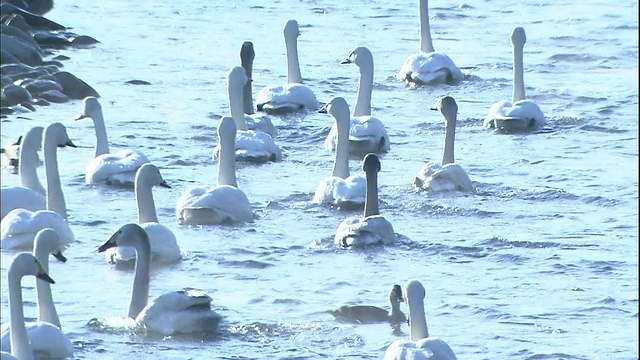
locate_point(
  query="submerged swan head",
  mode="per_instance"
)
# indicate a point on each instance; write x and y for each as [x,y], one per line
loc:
[337,107]
[25,263]
[149,175]
[48,242]
[90,109]
[518,37]
[291,29]
[359,56]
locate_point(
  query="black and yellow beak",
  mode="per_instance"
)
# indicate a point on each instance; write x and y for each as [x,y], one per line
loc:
[59,256]
[42,275]
[109,243]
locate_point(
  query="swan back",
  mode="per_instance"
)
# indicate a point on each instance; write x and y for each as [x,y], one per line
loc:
[236,80]
[227,163]
[449,109]
[247,55]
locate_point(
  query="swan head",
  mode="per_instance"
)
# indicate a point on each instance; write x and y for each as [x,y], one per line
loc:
[127,235]
[236,78]
[395,295]
[150,174]
[337,107]
[48,242]
[413,291]
[60,135]
[291,29]
[226,128]
[447,107]
[371,163]
[247,54]
[359,56]
[518,37]
[91,107]
[25,263]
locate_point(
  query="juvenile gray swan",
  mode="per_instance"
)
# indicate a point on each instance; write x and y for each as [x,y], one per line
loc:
[369,314]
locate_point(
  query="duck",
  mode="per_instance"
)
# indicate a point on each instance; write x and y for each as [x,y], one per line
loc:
[341,189]
[221,204]
[259,121]
[12,154]
[428,67]
[164,245]
[366,133]
[521,114]
[294,95]
[45,334]
[254,146]
[30,195]
[420,345]
[19,227]
[183,311]
[448,175]
[117,169]
[371,228]
[23,264]
[368,314]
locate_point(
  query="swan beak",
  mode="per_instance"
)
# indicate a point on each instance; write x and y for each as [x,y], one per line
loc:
[323,110]
[110,243]
[346,61]
[80,116]
[70,144]
[42,275]
[60,257]
[164,184]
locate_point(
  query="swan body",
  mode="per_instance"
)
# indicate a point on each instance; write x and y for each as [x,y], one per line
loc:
[368,314]
[428,67]
[30,195]
[224,203]
[184,311]
[164,245]
[519,115]
[254,146]
[420,346]
[19,227]
[372,228]
[118,168]
[447,176]
[254,121]
[294,95]
[340,189]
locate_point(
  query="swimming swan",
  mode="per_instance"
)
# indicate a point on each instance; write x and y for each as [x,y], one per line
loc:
[19,227]
[112,169]
[184,311]
[372,228]
[341,189]
[519,115]
[368,314]
[30,195]
[294,95]
[448,175]
[428,67]
[164,246]
[366,133]
[45,336]
[224,203]
[22,264]
[420,345]
[254,121]
[254,146]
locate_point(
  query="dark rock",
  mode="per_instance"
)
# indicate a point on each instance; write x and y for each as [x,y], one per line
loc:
[25,53]
[41,102]
[83,40]
[7,58]
[55,63]
[14,94]
[35,21]
[16,20]
[17,68]
[54,96]
[20,34]
[38,86]
[73,87]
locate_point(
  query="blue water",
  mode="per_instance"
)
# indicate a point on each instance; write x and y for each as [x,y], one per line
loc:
[540,261]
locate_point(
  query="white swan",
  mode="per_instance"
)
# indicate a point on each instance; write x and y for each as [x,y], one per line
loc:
[224,203]
[372,228]
[428,67]
[294,95]
[366,133]
[254,146]
[19,227]
[112,169]
[448,175]
[164,246]
[30,195]
[185,311]
[23,264]
[254,121]
[368,314]
[45,336]
[340,189]
[519,115]
[420,346]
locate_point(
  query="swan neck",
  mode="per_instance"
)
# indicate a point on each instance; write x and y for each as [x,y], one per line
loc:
[55,197]
[365,88]
[371,196]
[341,157]
[518,73]
[293,66]
[395,310]
[449,141]
[46,307]
[146,204]
[140,291]
[20,347]
[418,321]
[102,143]
[247,90]
[426,45]
[227,162]
[28,164]
[236,107]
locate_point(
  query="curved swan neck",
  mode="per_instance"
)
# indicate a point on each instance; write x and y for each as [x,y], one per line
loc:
[371,196]
[145,202]
[29,162]
[426,45]
[365,88]
[341,157]
[140,292]
[20,347]
[46,307]
[227,161]
[518,73]
[55,197]
[418,321]
[449,141]
[293,66]
[102,143]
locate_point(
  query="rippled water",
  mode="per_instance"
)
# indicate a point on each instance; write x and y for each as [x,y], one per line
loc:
[539,262]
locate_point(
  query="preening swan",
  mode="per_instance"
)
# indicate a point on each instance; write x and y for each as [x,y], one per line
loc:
[30,195]
[428,67]
[254,146]
[23,264]
[294,95]
[254,121]
[366,133]
[372,228]
[340,189]
[519,115]
[112,169]
[368,314]
[448,175]
[19,227]
[184,311]
[224,203]
[420,345]
[164,246]
[45,336]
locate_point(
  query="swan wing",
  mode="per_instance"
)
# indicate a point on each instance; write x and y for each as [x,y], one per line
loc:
[260,122]
[19,228]
[256,146]
[429,69]
[372,230]
[437,178]
[47,341]
[523,115]
[19,197]
[117,168]
[217,205]
[349,192]
[287,98]
[369,131]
